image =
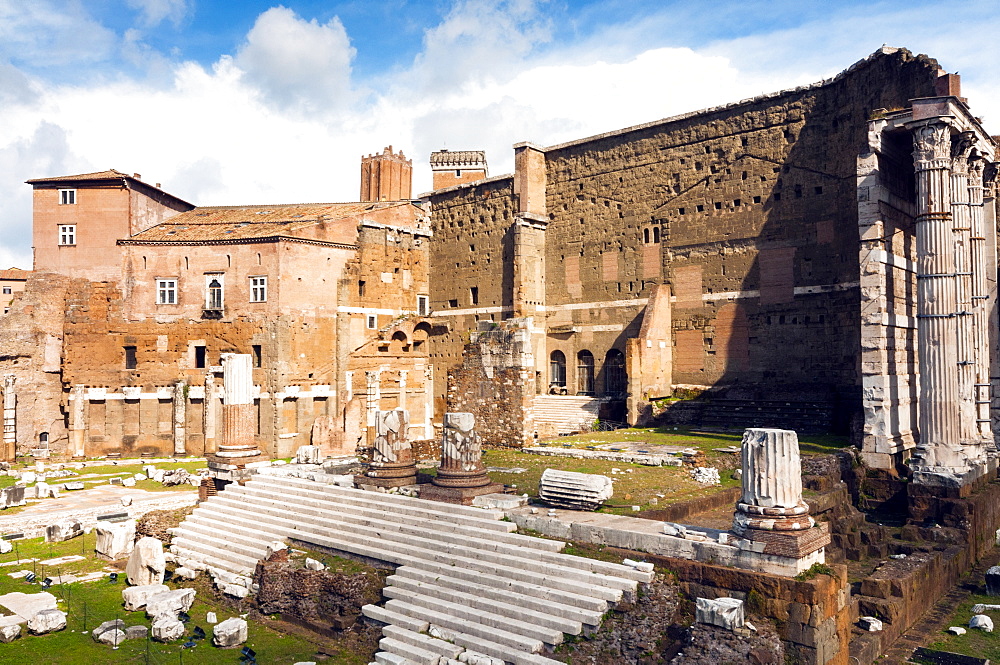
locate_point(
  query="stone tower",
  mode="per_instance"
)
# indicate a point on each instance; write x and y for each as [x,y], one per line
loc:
[458,167]
[386,177]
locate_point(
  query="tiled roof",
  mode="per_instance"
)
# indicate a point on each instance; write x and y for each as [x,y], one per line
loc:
[451,158]
[14,273]
[234,223]
[110,174]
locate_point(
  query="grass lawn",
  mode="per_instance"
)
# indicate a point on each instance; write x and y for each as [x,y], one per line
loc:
[90,603]
[975,642]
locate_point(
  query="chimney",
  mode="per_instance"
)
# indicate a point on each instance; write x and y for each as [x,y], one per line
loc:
[386,177]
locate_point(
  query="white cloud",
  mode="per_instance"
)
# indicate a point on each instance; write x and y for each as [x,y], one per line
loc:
[298,64]
[155,12]
[41,33]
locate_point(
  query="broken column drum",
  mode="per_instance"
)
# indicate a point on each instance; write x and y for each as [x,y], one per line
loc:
[772,483]
[461,453]
[237,410]
[392,455]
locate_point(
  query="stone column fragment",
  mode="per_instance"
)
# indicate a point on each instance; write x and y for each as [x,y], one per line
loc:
[392,455]
[237,408]
[9,418]
[461,453]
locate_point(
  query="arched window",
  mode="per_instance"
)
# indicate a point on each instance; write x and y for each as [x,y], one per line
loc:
[214,295]
[656,234]
[645,236]
[557,370]
[615,378]
[585,373]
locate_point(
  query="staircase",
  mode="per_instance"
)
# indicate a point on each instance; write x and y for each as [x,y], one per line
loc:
[559,414]
[463,581]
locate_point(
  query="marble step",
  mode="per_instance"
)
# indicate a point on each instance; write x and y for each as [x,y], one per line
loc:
[490,601]
[410,652]
[391,618]
[425,642]
[507,638]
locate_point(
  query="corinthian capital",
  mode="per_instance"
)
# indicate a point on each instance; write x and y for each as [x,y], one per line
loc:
[961,148]
[931,142]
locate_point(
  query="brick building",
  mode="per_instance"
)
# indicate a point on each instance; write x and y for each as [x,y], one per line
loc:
[122,354]
[12,282]
[762,252]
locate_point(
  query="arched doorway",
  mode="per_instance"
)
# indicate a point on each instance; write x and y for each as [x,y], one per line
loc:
[585,373]
[615,377]
[557,372]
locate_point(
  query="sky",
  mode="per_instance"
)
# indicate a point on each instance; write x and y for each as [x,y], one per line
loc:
[229,103]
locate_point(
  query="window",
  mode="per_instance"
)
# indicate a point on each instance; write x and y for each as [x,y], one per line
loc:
[130,361]
[474,295]
[67,234]
[557,371]
[615,378]
[258,289]
[361,288]
[372,321]
[166,292]
[585,373]
[423,305]
[256,355]
[67,197]
[6,290]
[199,356]
[453,303]
[213,291]
[458,173]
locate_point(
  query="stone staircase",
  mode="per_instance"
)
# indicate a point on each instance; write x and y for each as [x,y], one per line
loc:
[560,414]
[463,581]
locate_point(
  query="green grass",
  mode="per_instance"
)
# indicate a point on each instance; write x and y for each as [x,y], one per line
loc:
[88,604]
[974,642]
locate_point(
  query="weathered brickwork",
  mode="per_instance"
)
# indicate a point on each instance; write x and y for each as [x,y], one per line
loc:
[748,212]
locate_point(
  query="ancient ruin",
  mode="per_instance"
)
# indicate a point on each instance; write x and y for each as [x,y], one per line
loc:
[461,476]
[392,463]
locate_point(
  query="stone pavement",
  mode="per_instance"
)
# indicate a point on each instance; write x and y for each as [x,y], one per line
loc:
[87,505]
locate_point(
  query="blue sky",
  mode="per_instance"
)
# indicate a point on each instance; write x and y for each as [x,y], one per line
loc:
[260,102]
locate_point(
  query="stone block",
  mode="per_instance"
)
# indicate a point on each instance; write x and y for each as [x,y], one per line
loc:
[47,621]
[723,612]
[106,626]
[135,597]
[114,541]
[62,531]
[313,564]
[167,629]
[230,633]
[169,603]
[308,455]
[112,637]
[10,633]
[981,622]
[578,491]
[993,581]
[871,624]
[136,632]
[146,565]
[186,573]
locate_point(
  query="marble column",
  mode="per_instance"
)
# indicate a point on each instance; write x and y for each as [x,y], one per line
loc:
[180,419]
[78,421]
[392,463]
[402,389]
[936,301]
[772,483]
[237,408]
[9,418]
[461,453]
[961,149]
[980,297]
[210,419]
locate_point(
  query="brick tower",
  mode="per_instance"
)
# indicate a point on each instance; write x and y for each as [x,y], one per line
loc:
[386,177]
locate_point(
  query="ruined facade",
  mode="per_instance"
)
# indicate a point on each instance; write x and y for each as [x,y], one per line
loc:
[124,356]
[719,251]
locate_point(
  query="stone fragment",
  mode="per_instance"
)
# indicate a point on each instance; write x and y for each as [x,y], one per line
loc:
[186,573]
[578,491]
[146,565]
[671,529]
[723,612]
[169,603]
[126,501]
[28,477]
[10,633]
[313,564]
[235,590]
[47,621]
[128,482]
[230,633]
[13,496]
[136,632]
[167,629]
[982,608]
[74,485]
[112,637]
[45,491]
[106,626]
[871,624]
[114,541]
[308,455]
[5,546]
[176,477]
[135,597]
[211,618]
[956,630]
[140,476]
[993,581]
[61,531]
[643,566]
[982,622]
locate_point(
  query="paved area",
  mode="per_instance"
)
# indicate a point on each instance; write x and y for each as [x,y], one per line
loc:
[25,605]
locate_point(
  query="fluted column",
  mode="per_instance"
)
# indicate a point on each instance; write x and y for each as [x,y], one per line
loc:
[461,453]
[936,330]
[392,455]
[961,236]
[772,483]
[237,408]
[78,421]
[9,418]
[980,298]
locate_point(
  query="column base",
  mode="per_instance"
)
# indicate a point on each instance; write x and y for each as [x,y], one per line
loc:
[790,544]
[387,483]
[459,495]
